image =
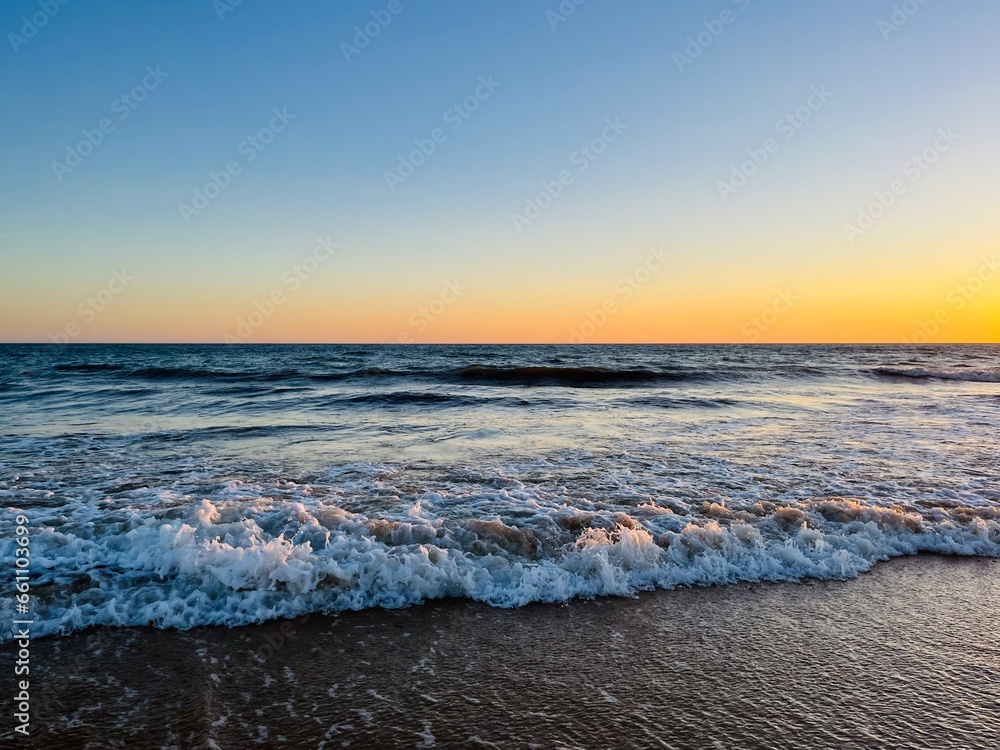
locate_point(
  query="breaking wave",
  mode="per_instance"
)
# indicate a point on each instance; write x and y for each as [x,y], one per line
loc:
[229,562]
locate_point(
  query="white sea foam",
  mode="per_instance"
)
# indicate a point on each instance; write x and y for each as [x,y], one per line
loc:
[235,559]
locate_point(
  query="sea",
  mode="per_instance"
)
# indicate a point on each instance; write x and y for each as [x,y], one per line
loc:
[182,486]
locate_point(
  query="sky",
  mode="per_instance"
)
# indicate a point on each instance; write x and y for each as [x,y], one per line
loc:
[541,171]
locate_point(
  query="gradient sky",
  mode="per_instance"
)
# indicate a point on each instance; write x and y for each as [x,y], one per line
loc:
[772,263]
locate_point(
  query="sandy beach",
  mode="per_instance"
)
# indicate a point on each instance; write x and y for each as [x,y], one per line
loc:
[902,657]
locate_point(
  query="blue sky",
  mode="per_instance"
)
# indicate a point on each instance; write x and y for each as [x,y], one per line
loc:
[324,174]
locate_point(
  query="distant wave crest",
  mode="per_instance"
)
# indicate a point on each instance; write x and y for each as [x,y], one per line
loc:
[972,376]
[580,376]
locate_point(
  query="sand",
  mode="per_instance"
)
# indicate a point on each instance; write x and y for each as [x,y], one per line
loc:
[905,657]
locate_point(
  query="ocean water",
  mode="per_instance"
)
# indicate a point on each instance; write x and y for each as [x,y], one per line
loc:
[182,486]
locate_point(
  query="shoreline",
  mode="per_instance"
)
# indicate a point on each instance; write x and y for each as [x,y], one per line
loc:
[809,664]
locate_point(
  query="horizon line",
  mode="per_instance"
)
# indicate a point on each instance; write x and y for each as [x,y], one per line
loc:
[504,343]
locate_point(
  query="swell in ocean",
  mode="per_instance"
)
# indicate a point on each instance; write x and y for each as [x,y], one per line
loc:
[533,375]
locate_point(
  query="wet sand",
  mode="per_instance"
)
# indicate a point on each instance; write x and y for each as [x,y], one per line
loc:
[904,657]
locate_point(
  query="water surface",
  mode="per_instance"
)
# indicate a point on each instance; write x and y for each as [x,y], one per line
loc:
[178,486]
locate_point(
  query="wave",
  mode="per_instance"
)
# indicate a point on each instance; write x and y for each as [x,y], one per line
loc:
[195,373]
[975,376]
[365,372]
[526,375]
[667,402]
[269,377]
[234,562]
[410,398]
[183,373]
[573,376]
[87,368]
